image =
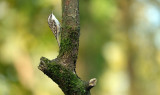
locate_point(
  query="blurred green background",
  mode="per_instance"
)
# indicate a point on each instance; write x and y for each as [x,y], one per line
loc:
[119,45]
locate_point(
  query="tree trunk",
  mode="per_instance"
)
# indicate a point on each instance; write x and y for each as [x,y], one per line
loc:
[62,69]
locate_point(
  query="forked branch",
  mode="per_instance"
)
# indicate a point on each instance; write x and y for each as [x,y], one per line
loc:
[62,69]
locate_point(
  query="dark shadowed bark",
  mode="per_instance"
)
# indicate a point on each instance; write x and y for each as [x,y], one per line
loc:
[62,69]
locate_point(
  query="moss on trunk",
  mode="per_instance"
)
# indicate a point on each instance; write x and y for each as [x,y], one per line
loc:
[62,69]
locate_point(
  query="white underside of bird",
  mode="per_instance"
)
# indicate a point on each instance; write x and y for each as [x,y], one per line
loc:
[55,27]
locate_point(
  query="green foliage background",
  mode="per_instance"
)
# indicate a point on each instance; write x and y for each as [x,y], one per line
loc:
[119,45]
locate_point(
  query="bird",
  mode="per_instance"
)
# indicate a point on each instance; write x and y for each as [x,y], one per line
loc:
[55,27]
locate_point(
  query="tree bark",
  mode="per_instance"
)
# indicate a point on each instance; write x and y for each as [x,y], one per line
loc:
[62,69]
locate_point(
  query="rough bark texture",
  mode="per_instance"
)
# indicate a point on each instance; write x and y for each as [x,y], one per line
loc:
[62,69]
